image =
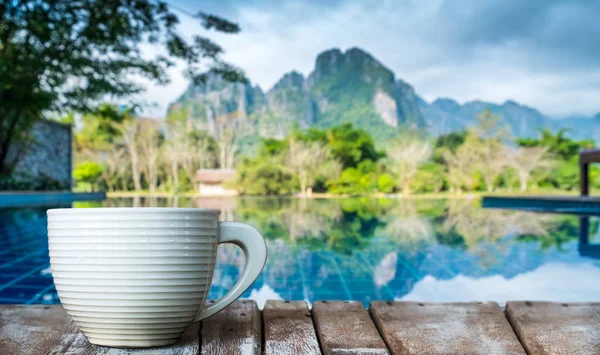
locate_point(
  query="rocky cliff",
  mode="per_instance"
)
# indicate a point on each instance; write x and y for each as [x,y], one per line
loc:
[353,86]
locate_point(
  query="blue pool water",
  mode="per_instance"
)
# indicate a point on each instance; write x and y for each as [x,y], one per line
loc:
[360,249]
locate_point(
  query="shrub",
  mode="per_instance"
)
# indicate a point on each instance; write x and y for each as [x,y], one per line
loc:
[88,172]
[263,177]
[429,178]
[385,183]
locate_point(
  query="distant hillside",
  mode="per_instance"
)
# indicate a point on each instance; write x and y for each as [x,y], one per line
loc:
[446,115]
[354,87]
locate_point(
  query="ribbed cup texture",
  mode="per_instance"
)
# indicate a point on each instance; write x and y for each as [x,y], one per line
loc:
[132,277]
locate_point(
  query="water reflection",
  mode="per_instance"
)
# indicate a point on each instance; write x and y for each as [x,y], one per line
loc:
[558,282]
[367,249]
[588,233]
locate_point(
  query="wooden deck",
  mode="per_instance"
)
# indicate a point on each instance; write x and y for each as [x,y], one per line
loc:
[337,327]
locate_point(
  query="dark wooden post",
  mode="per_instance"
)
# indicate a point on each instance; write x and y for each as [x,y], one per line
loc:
[584,231]
[584,178]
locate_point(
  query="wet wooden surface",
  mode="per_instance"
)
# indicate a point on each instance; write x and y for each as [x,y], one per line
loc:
[445,328]
[289,329]
[235,330]
[556,328]
[73,342]
[344,327]
[34,329]
[336,327]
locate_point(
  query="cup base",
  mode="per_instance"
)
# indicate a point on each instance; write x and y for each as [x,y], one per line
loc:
[120,343]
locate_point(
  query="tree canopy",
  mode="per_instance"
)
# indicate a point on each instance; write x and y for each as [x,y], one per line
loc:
[58,55]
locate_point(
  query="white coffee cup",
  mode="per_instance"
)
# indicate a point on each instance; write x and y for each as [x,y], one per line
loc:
[137,277]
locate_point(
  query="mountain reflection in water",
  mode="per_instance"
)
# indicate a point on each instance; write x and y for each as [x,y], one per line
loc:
[427,250]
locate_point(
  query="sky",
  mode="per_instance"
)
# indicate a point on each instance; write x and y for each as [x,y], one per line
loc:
[541,53]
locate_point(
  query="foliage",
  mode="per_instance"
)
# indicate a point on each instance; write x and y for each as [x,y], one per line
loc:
[259,176]
[565,174]
[564,231]
[355,181]
[271,147]
[99,129]
[447,143]
[526,160]
[189,149]
[88,172]
[451,141]
[406,156]
[310,161]
[66,55]
[148,154]
[348,144]
[143,153]
[386,183]
[316,158]
[460,166]
[557,144]
[429,179]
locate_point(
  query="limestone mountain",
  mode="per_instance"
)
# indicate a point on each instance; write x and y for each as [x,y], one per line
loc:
[349,86]
[352,86]
[446,115]
[216,98]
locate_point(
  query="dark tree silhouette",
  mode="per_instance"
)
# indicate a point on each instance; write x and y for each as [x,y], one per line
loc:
[58,55]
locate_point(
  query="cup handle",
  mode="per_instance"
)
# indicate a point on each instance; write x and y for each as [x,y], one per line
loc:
[255,249]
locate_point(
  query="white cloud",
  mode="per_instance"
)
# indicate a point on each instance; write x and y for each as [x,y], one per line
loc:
[559,282]
[263,294]
[441,48]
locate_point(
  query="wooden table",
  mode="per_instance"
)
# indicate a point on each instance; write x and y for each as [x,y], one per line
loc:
[337,327]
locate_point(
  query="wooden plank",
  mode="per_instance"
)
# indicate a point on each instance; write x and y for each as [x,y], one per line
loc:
[589,156]
[444,328]
[32,329]
[289,329]
[344,327]
[234,330]
[556,328]
[73,342]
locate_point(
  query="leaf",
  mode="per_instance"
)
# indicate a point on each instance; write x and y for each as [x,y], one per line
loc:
[218,23]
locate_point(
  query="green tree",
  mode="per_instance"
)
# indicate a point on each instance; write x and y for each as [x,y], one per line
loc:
[460,166]
[259,176]
[99,127]
[355,181]
[491,153]
[558,144]
[525,160]
[58,55]
[407,156]
[429,178]
[386,183]
[448,142]
[348,144]
[88,172]
[566,151]
[310,161]
[271,147]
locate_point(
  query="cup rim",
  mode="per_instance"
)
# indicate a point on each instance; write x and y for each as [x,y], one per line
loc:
[133,209]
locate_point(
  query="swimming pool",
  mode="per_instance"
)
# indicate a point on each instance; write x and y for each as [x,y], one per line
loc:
[360,249]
